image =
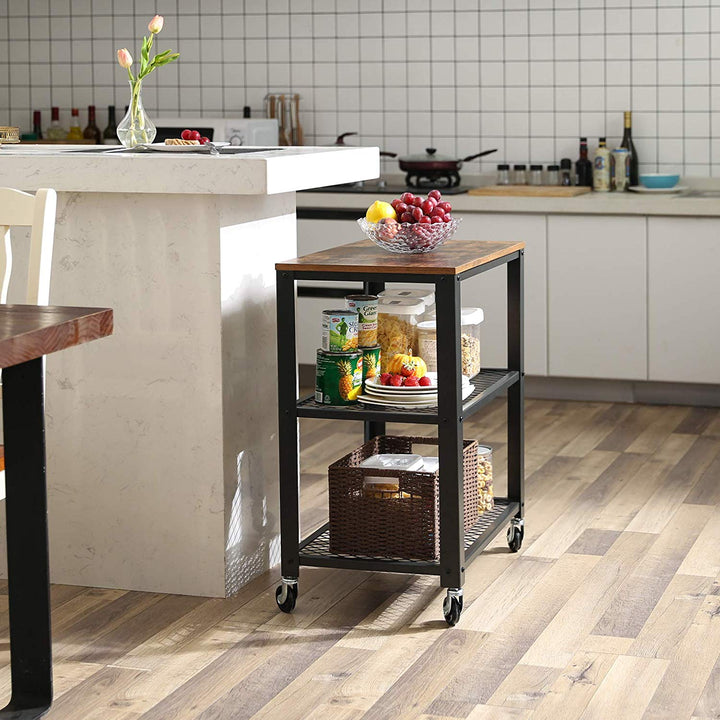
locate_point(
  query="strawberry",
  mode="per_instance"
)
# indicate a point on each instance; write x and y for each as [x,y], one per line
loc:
[396,380]
[385,378]
[425,381]
[412,381]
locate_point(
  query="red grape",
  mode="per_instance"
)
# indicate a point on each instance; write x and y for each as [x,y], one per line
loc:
[435,195]
[428,206]
[417,201]
[445,206]
[204,139]
[437,211]
[437,219]
[395,203]
[185,134]
[406,217]
[424,219]
[195,135]
[447,217]
[407,198]
[401,207]
[417,213]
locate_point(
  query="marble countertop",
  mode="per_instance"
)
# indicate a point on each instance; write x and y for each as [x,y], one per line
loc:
[628,203]
[280,170]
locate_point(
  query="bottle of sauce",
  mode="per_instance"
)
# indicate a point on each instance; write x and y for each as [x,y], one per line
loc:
[92,132]
[55,131]
[110,133]
[629,145]
[601,167]
[583,166]
[37,125]
[75,133]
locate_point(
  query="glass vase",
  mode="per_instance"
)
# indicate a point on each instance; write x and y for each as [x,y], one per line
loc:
[136,128]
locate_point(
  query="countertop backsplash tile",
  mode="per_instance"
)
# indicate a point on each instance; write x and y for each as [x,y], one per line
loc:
[525,76]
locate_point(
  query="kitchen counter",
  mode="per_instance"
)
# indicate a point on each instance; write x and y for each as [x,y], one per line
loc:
[162,441]
[628,203]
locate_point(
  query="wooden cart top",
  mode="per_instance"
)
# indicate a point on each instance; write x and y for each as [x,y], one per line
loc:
[453,258]
[28,332]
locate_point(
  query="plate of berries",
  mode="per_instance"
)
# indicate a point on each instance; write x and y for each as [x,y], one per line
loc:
[410,223]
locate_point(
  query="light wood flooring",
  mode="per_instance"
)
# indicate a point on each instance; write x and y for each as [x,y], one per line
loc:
[611,611]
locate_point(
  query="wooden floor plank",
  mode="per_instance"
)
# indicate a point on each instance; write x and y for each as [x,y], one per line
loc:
[525,687]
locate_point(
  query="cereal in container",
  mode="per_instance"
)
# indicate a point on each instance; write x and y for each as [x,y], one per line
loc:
[416,293]
[471,317]
[486,495]
[397,327]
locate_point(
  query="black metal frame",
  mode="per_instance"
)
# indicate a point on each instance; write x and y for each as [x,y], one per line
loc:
[27,541]
[456,546]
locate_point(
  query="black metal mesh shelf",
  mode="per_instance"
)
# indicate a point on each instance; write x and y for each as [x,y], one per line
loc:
[315,550]
[488,383]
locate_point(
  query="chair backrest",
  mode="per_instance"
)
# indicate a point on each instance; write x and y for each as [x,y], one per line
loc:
[37,212]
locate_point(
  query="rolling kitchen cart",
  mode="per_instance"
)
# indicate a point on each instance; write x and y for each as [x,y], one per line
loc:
[445,268]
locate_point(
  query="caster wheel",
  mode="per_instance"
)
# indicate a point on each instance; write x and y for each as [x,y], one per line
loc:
[290,593]
[515,536]
[453,607]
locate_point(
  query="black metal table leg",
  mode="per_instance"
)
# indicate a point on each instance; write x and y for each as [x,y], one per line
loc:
[452,551]
[27,541]
[516,434]
[288,427]
[373,428]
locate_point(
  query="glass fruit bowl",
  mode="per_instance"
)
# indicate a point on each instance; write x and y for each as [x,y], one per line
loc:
[408,237]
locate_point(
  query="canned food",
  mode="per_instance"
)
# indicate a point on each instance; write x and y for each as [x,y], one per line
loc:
[371,363]
[339,330]
[620,169]
[338,377]
[366,306]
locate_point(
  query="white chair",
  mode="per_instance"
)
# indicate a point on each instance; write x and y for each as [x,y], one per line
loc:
[20,209]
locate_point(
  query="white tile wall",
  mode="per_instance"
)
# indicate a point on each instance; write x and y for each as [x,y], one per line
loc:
[525,76]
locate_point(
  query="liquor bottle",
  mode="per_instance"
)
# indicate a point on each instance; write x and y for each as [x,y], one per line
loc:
[601,167]
[37,125]
[583,166]
[55,131]
[627,142]
[75,133]
[110,133]
[92,132]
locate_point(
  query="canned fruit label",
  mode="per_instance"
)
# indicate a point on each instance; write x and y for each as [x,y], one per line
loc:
[339,330]
[338,377]
[371,363]
[366,306]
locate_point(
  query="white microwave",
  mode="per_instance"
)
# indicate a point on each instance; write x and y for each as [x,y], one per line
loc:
[236,131]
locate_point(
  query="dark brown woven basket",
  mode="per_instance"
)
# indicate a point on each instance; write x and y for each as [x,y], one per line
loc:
[406,527]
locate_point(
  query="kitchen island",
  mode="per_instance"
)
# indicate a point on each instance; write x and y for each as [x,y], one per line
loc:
[162,450]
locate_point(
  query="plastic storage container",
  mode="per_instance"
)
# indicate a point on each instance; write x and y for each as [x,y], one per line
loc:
[427,297]
[471,318]
[387,488]
[397,327]
[486,494]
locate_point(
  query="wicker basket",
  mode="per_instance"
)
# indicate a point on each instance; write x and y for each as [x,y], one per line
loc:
[404,527]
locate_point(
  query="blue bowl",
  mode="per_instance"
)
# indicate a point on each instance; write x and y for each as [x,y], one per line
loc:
[659,181]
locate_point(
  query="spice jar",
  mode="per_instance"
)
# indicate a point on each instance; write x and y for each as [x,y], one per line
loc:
[503,174]
[566,172]
[486,494]
[553,175]
[418,293]
[519,175]
[536,177]
[397,327]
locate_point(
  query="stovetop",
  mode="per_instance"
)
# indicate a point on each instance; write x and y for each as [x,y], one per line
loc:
[378,187]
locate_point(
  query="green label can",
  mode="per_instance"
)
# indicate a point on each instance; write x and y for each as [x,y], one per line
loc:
[366,306]
[339,330]
[338,377]
[371,363]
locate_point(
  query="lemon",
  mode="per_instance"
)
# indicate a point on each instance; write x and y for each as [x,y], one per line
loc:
[379,210]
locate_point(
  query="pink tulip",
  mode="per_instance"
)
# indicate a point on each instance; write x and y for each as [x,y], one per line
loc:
[124,58]
[156,24]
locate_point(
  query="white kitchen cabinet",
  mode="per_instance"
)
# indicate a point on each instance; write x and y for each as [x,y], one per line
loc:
[684,299]
[597,297]
[488,290]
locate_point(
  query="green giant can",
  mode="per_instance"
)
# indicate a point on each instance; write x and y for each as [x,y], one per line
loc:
[338,377]
[371,363]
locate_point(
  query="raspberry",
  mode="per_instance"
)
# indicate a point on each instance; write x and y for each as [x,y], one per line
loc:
[425,381]
[412,381]
[385,379]
[396,380]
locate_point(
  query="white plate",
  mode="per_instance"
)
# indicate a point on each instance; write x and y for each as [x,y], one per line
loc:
[162,147]
[408,403]
[376,385]
[643,189]
[400,396]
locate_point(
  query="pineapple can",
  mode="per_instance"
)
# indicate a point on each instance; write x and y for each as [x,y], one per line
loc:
[339,330]
[366,306]
[338,377]
[371,363]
